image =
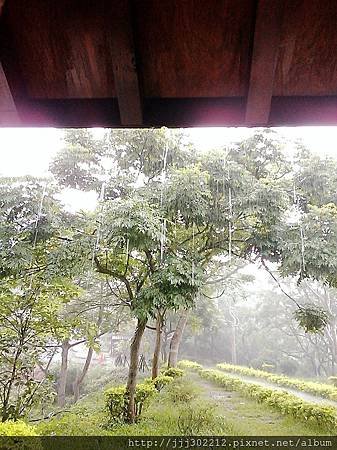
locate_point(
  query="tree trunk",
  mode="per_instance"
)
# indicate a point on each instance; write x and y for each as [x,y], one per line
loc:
[79,380]
[156,353]
[164,347]
[176,340]
[62,381]
[234,349]
[133,370]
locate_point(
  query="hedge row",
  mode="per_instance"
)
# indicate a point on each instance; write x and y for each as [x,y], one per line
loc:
[325,417]
[116,399]
[191,365]
[320,389]
[19,428]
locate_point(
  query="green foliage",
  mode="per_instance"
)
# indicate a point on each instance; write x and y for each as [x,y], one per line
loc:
[319,389]
[29,312]
[181,392]
[18,428]
[324,417]
[173,372]
[19,436]
[78,165]
[312,256]
[116,401]
[311,318]
[161,381]
[184,364]
[195,417]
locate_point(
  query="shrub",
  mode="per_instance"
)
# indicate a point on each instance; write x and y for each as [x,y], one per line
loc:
[181,392]
[161,381]
[116,400]
[11,433]
[173,372]
[184,364]
[18,428]
[322,416]
[320,389]
[195,417]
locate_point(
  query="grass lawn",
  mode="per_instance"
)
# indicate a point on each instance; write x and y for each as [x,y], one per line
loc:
[188,406]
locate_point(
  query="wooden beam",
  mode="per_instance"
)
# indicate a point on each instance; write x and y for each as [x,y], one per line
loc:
[8,112]
[2,2]
[264,58]
[124,65]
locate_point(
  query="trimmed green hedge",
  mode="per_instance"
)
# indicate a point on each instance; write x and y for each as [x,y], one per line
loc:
[173,372]
[325,417]
[18,428]
[320,389]
[185,364]
[116,400]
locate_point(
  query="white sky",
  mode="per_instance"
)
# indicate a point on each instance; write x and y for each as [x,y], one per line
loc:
[28,151]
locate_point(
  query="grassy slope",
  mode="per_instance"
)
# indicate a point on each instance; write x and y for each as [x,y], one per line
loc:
[190,406]
[253,419]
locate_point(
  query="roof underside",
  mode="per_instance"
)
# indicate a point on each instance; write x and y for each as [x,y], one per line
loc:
[77,63]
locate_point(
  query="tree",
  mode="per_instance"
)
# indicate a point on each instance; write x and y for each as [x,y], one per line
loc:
[29,320]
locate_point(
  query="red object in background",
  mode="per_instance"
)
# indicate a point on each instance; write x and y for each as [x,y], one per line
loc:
[101,358]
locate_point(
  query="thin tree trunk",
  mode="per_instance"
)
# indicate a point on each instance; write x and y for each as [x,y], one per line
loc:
[133,370]
[164,347]
[156,353]
[62,381]
[234,349]
[176,340]
[79,380]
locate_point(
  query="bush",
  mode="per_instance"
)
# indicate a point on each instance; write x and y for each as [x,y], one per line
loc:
[18,428]
[185,364]
[116,401]
[320,389]
[181,392]
[161,381]
[13,440]
[195,417]
[173,372]
[325,417]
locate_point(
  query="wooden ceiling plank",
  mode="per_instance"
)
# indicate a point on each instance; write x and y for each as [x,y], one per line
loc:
[8,112]
[124,65]
[264,58]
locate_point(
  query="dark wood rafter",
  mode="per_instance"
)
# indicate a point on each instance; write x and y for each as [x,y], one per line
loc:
[267,36]
[8,111]
[234,63]
[124,65]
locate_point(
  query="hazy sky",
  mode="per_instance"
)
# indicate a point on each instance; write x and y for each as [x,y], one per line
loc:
[26,151]
[29,150]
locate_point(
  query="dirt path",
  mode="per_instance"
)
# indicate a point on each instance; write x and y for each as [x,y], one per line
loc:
[247,417]
[303,395]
